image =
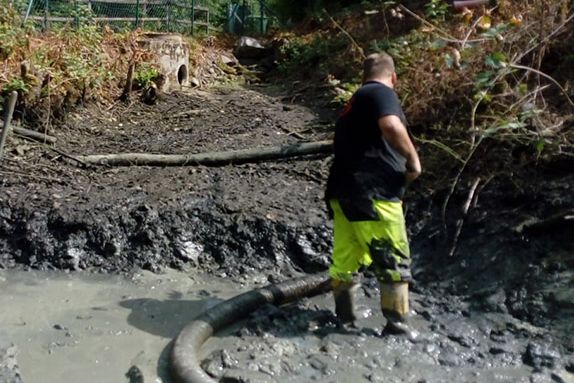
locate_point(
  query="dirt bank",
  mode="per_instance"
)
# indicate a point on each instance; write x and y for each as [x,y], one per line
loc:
[499,308]
[236,217]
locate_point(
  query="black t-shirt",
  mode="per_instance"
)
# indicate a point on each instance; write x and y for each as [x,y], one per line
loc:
[366,167]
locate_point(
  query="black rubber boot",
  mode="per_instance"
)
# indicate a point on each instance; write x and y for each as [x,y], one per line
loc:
[344,294]
[397,324]
[395,308]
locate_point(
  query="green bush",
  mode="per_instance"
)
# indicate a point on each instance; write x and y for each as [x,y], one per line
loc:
[311,57]
[145,75]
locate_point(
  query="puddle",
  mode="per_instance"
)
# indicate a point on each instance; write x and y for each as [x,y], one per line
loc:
[92,329]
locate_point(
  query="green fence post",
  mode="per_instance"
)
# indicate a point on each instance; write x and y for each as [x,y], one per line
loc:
[207,22]
[192,16]
[46,14]
[76,14]
[137,14]
[168,15]
[243,16]
[261,16]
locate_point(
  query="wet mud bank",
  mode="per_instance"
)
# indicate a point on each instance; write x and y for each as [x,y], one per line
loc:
[236,219]
[188,234]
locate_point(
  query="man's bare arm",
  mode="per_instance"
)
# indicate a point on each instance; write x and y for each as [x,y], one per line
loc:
[395,133]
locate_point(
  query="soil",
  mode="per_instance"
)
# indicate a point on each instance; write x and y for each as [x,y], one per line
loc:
[499,310]
[231,218]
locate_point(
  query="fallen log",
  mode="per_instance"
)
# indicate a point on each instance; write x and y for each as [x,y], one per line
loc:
[35,135]
[211,158]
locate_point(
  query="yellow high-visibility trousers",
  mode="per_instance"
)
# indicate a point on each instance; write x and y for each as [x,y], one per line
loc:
[380,245]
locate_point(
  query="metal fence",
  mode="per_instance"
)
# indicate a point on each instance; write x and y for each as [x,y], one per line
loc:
[183,16]
[248,16]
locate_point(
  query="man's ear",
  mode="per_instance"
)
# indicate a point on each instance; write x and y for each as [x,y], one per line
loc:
[394,78]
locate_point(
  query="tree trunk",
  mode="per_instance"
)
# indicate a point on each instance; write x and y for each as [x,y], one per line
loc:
[211,158]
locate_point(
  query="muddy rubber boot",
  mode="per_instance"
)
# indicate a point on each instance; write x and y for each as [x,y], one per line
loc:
[395,308]
[344,294]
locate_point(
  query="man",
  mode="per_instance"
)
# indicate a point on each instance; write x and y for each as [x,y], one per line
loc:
[375,160]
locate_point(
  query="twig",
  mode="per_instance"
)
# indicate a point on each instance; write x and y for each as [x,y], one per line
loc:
[42,178]
[125,96]
[467,36]
[480,189]
[561,220]
[516,66]
[292,133]
[69,156]
[186,113]
[441,146]
[455,182]
[353,41]
[462,219]
[555,31]
[33,135]
[49,107]
[9,106]
[527,95]
[448,37]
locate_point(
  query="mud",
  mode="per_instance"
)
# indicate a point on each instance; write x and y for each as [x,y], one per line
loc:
[236,217]
[455,343]
[89,328]
[500,310]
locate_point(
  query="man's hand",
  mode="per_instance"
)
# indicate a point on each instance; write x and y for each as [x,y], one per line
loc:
[395,133]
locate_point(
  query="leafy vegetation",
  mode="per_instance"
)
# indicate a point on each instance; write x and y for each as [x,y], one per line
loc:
[58,68]
[466,79]
[145,75]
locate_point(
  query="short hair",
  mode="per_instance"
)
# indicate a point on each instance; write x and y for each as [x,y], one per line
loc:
[377,65]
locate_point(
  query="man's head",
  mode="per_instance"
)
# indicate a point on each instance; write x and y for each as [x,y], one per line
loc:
[379,67]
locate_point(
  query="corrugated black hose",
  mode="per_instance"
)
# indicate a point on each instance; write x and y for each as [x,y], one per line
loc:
[184,362]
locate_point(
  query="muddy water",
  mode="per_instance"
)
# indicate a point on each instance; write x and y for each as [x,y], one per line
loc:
[89,328]
[92,329]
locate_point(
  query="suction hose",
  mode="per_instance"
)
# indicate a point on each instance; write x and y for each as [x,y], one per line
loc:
[184,362]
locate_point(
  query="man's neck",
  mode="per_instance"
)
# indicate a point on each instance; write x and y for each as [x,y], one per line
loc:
[383,80]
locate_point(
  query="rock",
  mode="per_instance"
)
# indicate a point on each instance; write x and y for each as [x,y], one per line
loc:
[249,48]
[135,375]
[540,378]
[562,377]
[244,376]
[496,350]
[228,60]
[463,333]
[9,371]
[496,302]
[217,362]
[542,355]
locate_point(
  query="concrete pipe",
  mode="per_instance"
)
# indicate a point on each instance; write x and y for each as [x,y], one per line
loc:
[184,362]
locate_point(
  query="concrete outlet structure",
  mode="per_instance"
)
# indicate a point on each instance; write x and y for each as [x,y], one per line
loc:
[172,58]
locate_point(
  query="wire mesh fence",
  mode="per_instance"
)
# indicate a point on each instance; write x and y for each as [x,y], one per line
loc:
[248,16]
[183,16]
